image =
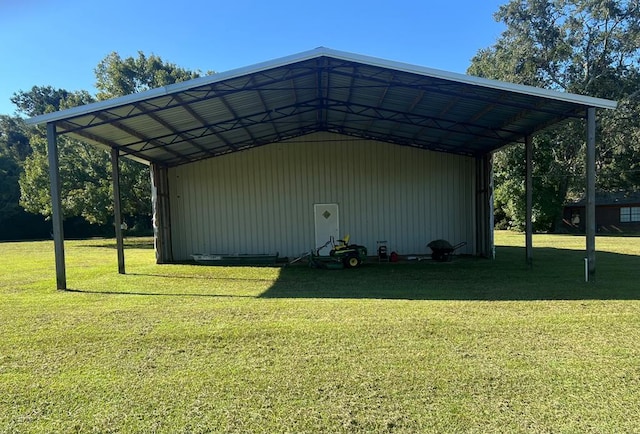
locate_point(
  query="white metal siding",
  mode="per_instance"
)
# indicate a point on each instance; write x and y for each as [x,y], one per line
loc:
[261,201]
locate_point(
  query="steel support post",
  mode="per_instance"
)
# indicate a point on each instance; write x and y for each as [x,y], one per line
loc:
[484,206]
[56,206]
[591,193]
[161,214]
[117,218]
[490,185]
[528,144]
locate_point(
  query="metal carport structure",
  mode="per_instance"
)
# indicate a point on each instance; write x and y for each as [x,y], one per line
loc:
[321,90]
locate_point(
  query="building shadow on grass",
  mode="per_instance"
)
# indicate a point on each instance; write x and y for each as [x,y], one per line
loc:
[556,274]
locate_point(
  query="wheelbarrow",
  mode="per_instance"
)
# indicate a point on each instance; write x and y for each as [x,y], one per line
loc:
[442,249]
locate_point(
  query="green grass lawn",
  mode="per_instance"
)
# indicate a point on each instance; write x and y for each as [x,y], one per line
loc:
[468,346]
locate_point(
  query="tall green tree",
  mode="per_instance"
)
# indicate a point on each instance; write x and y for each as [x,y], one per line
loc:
[78,168]
[14,149]
[589,47]
[116,76]
[85,169]
[46,99]
[15,222]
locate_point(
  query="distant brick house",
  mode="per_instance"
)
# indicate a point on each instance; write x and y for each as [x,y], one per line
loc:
[616,212]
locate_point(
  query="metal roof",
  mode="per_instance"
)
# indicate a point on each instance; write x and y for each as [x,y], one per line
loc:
[609,198]
[319,90]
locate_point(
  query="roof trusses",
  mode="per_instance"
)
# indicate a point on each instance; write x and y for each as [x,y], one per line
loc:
[321,90]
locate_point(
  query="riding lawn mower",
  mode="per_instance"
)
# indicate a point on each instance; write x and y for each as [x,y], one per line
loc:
[341,255]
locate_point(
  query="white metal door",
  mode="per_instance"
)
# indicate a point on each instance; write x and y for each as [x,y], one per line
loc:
[326,224]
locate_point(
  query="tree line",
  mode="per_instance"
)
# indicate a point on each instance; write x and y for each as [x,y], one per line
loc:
[589,47]
[85,170]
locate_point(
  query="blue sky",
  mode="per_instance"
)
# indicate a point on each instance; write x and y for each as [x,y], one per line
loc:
[59,42]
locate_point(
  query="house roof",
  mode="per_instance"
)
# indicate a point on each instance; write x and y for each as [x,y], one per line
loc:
[319,90]
[610,198]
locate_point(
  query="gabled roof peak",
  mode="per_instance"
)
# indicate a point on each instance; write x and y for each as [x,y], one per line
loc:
[319,90]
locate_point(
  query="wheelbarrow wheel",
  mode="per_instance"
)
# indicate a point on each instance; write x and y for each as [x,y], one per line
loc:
[352,261]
